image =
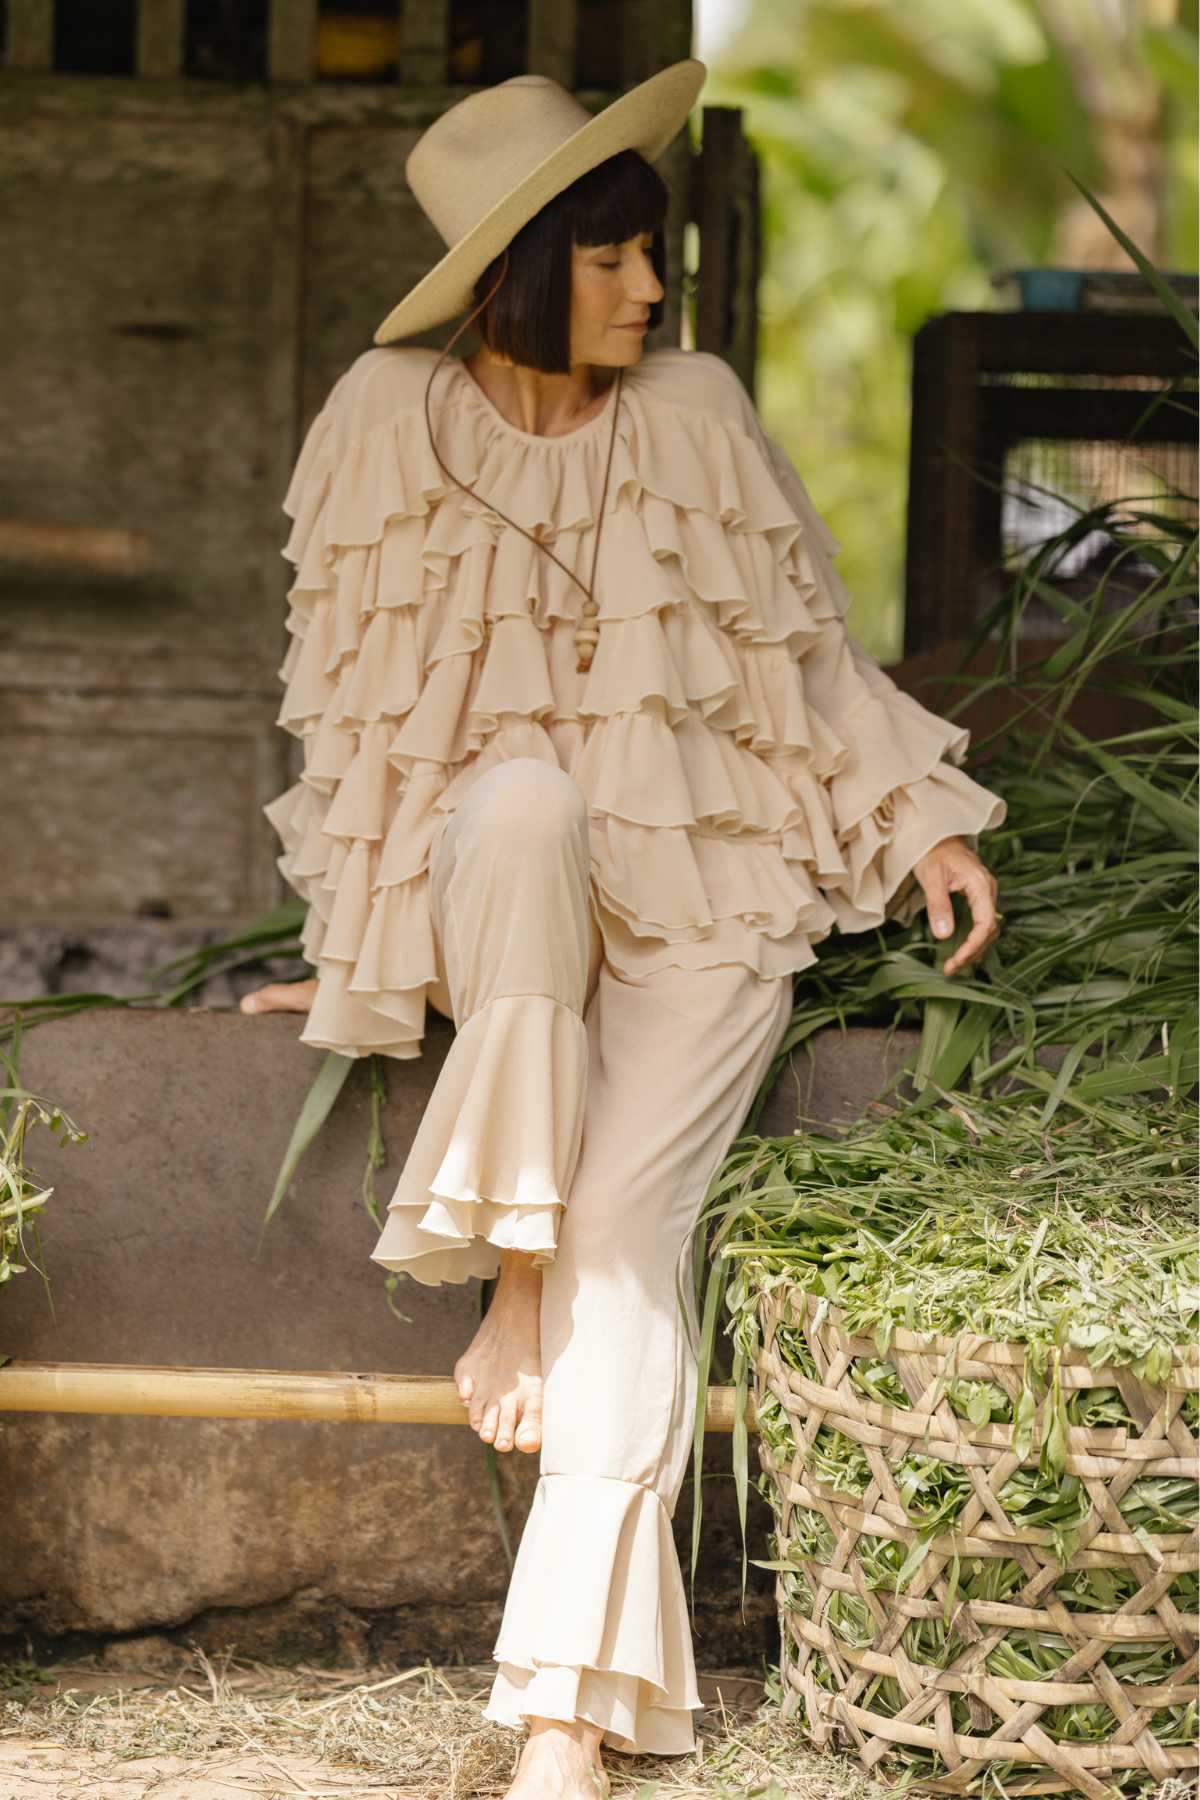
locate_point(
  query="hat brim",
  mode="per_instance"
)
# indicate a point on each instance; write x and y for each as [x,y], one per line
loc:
[646,119]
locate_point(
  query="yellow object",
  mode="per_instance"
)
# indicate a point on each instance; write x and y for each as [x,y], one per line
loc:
[356,44]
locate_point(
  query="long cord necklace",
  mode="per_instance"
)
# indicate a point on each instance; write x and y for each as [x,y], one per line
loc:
[587,635]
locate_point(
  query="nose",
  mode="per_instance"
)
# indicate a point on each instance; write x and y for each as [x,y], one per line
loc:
[647,288]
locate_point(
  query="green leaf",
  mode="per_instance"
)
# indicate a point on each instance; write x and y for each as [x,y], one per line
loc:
[979,1406]
[1023,1423]
[1183,316]
[1177,815]
[318,1103]
[914,1559]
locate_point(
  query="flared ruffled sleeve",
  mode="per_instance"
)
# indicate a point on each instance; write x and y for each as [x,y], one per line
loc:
[357,824]
[896,787]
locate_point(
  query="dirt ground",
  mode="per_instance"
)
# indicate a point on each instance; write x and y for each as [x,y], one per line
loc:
[228,1728]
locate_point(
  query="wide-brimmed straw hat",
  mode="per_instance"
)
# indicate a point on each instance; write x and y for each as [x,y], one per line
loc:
[491,161]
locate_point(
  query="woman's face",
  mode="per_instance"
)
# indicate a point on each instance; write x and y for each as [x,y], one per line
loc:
[613,287]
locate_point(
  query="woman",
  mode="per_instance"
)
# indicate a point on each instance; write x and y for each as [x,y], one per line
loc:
[591,763]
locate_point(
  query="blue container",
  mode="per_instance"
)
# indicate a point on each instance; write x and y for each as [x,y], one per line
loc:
[1050,290]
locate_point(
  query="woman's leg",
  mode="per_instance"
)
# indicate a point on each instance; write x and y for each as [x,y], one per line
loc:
[595,1626]
[518,955]
[515,953]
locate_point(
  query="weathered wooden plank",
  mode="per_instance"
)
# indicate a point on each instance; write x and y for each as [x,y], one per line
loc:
[37,663]
[30,36]
[160,39]
[366,243]
[424,42]
[133,365]
[654,34]
[291,40]
[552,40]
[280,422]
[139,736]
[675,167]
[941,526]
[725,208]
[52,96]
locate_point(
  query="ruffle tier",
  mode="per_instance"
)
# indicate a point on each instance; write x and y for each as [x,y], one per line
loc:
[496,1148]
[753,778]
[595,1624]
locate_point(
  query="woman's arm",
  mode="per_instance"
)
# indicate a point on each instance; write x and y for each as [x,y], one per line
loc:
[907,815]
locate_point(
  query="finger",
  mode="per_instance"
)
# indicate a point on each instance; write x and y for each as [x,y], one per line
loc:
[466,1386]
[487,1430]
[965,954]
[975,941]
[937,904]
[981,933]
[508,1419]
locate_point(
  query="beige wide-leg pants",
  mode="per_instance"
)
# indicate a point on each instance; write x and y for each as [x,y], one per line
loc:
[595,1624]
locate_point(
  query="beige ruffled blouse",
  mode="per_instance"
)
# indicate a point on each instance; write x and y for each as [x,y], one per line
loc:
[754,779]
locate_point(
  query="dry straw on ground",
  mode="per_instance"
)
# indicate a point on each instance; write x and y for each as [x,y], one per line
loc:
[228,1727]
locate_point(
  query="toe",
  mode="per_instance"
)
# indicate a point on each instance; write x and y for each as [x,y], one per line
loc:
[529,1432]
[507,1421]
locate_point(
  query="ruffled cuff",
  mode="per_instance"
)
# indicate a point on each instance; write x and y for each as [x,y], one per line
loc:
[888,842]
[496,1148]
[595,1624]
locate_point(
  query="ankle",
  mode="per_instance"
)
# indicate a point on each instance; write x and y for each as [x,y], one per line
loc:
[580,1732]
[518,1276]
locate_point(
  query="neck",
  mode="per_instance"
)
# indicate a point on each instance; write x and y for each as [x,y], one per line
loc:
[536,402]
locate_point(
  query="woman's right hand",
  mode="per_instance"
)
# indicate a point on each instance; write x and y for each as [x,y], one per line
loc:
[280,996]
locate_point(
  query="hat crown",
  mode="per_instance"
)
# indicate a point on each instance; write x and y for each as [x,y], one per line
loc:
[478,150]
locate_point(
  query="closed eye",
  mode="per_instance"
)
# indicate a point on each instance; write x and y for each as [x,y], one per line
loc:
[646,248]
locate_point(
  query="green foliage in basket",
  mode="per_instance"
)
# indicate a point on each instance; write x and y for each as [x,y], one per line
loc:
[985,1223]
[982,1223]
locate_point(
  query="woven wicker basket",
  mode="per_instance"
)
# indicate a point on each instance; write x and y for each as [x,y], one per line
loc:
[825,1536]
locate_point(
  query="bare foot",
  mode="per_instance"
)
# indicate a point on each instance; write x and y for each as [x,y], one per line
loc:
[280,996]
[560,1761]
[499,1374]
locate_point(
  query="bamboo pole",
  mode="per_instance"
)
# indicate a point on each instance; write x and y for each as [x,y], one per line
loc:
[200,1393]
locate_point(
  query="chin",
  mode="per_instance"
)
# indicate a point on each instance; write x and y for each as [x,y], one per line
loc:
[611,358]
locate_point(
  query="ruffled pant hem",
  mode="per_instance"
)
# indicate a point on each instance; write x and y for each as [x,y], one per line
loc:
[628,1708]
[595,1624]
[497,1145]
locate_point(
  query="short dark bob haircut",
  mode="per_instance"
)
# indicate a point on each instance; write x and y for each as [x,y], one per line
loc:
[529,317]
